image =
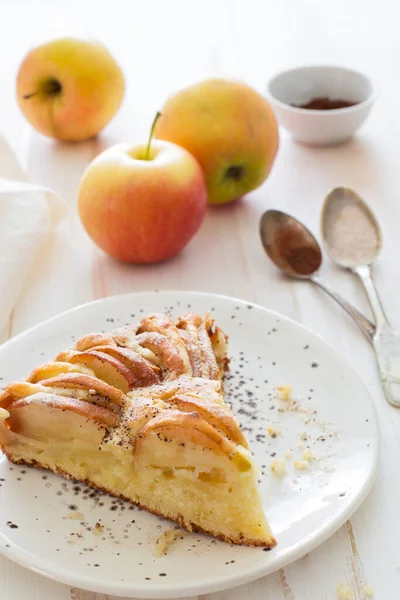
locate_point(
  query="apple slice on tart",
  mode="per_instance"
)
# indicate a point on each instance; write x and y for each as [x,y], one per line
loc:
[147,425]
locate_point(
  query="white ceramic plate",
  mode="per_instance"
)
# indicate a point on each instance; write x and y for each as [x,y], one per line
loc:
[332,417]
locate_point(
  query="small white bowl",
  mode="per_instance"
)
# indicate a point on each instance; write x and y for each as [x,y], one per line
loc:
[321,127]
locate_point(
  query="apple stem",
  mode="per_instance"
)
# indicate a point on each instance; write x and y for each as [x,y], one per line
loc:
[50,87]
[27,96]
[147,155]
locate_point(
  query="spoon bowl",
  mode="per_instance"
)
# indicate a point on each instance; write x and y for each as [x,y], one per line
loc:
[289,244]
[350,231]
[296,252]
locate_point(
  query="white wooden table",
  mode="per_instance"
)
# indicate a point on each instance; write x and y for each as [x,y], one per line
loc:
[161,45]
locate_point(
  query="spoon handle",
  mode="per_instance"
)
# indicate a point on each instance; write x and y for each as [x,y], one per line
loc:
[365,324]
[386,342]
[364,273]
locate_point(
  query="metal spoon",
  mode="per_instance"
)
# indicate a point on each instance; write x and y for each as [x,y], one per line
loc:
[294,250]
[352,237]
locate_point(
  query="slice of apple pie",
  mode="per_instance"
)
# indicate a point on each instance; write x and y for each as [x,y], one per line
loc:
[139,412]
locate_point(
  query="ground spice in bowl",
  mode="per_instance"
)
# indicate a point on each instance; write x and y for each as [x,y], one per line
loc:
[325,103]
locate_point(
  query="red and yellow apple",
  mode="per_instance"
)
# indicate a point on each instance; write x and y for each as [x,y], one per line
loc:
[69,88]
[229,128]
[142,204]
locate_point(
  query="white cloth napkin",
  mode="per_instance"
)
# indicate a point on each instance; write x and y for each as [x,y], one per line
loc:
[28,216]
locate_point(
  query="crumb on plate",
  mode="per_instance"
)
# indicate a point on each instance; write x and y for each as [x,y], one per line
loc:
[98,528]
[368,591]
[329,469]
[272,432]
[344,592]
[308,456]
[76,516]
[285,392]
[278,466]
[164,542]
[300,465]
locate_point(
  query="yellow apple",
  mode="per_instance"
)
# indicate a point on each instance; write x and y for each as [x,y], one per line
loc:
[142,204]
[229,128]
[69,89]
